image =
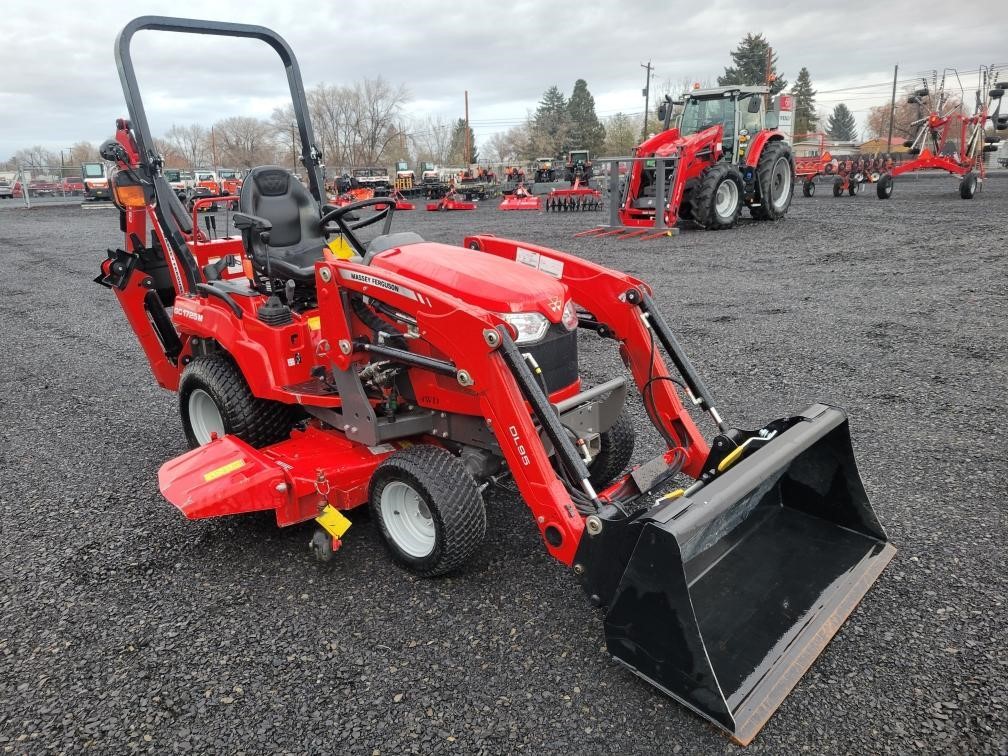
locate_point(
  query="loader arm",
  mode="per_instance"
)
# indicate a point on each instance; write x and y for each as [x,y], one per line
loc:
[473,339]
[604,293]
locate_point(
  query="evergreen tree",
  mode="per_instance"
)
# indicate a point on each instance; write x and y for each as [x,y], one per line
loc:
[457,151]
[586,131]
[549,129]
[804,103]
[841,124]
[750,65]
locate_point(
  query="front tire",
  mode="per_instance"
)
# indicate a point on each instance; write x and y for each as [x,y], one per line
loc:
[616,449]
[428,509]
[968,185]
[808,188]
[775,171]
[717,202]
[214,399]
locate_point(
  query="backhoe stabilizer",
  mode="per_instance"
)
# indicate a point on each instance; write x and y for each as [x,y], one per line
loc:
[723,599]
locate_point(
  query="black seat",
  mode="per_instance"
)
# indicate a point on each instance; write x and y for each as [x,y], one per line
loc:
[279,216]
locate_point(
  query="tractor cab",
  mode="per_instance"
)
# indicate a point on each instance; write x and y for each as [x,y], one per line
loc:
[741,112]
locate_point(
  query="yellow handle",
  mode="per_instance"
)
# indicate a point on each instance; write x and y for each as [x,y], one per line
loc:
[731,459]
[673,494]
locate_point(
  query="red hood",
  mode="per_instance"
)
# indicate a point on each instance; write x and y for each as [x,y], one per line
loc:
[487,281]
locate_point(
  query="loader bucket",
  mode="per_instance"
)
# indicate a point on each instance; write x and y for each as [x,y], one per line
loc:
[728,596]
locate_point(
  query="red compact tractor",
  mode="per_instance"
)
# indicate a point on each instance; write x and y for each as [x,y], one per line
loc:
[949,140]
[411,377]
[725,154]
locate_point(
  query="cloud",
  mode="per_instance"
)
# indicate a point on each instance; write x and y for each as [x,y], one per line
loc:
[60,83]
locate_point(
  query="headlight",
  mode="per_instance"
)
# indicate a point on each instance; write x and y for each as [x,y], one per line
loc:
[570,318]
[531,326]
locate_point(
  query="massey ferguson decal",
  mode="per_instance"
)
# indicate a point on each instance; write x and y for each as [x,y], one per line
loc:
[381,283]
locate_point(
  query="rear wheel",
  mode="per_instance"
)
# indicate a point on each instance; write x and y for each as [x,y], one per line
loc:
[968,185]
[775,172]
[853,187]
[214,399]
[616,449]
[428,509]
[837,187]
[884,187]
[717,201]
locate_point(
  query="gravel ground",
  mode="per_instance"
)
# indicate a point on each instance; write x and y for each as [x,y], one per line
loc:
[124,627]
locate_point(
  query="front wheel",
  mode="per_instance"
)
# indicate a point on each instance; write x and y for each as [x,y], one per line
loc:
[616,447]
[717,202]
[428,509]
[838,187]
[808,189]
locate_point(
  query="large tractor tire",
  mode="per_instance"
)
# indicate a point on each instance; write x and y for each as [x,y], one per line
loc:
[428,509]
[616,450]
[717,201]
[775,172]
[214,399]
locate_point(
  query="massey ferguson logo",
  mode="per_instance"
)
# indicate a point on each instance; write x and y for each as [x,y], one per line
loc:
[381,283]
[556,304]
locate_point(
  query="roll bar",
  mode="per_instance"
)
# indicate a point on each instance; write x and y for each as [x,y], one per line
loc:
[311,155]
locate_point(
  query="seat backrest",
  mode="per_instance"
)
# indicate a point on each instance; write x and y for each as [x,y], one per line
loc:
[273,193]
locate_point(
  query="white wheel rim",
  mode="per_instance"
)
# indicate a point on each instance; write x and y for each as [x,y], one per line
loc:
[780,180]
[408,519]
[726,199]
[204,417]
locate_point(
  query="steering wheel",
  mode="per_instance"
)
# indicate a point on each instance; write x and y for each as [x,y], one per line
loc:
[337,213]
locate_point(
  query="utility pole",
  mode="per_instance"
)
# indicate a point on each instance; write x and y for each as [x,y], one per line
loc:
[213,148]
[892,109]
[468,150]
[647,95]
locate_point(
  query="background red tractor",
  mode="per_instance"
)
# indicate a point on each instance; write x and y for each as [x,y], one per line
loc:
[726,153]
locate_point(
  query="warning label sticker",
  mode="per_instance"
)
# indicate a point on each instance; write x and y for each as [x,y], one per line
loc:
[547,265]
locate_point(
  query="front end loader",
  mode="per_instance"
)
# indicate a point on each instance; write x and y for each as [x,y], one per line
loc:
[317,374]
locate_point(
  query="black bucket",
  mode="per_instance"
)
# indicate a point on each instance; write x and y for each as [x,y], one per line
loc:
[728,596]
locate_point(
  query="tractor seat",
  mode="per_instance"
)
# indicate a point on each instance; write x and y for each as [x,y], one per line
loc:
[278,216]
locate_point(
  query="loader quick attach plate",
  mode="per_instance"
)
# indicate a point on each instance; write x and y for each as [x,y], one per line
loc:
[727,597]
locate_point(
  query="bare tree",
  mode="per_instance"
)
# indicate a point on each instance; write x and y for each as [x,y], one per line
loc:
[192,142]
[244,142]
[506,146]
[36,156]
[622,134]
[432,140]
[377,108]
[172,157]
[84,152]
[285,135]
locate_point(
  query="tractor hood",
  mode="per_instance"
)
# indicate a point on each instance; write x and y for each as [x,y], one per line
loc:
[486,281]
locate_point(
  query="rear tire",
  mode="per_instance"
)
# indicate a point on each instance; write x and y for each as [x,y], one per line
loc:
[968,186]
[853,187]
[717,201]
[616,450]
[884,187]
[837,187]
[214,398]
[775,172]
[428,509]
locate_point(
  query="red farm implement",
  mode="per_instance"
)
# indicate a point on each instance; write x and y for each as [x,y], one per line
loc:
[574,199]
[725,154]
[520,199]
[948,139]
[452,200]
[408,376]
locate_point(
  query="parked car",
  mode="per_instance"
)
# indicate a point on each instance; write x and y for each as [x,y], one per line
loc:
[180,181]
[6,189]
[208,181]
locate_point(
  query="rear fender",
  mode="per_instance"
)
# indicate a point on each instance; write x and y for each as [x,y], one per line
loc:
[761,140]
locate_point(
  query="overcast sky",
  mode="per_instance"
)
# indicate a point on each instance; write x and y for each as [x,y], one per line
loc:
[58,82]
